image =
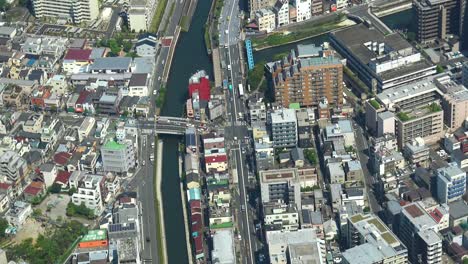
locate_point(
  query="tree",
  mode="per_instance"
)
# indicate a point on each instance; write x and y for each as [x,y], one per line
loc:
[55,188]
[114,47]
[3,226]
[311,156]
[72,191]
[127,46]
[439,69]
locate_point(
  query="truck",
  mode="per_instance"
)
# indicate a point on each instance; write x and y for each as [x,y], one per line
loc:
[225,83]
[241,90]
[229,67]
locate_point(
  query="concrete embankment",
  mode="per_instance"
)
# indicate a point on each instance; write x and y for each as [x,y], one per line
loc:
[184,209]
[391,8]
[159,201]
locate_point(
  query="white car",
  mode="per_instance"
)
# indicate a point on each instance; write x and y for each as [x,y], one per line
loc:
[155,92]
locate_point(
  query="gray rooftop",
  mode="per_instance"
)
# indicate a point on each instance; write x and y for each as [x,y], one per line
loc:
[354,38]
[309,50]
[138,79]
[223,248]
[111,63]
[458,209]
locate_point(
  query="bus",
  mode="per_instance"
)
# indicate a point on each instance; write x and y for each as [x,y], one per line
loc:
[241,90]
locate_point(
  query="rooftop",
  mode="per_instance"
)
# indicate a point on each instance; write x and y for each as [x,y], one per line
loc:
[418,216]
[223,248]
[111,63]
[289,174]
[403,92]
[283,116]
[458,209]
[114,145]
[93,235]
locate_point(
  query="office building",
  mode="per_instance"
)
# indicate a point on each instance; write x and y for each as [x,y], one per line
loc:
[281,185]
[417,111]
[307,80]
[13,167]
[419,232]
[371,241]
[436,18]
[266,19]
[75,11]
[340,131]
[118,156]
[380,61]
[292,247]
[451,183]
[454,101]
[416,152]
[284,128]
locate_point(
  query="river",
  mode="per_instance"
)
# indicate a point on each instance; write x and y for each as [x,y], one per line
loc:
[398,21]
[190,56]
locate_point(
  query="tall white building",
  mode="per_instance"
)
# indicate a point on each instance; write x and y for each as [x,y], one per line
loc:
[451,183]
[303,9]
[89,190]
[76,11]
[281,10]
[420,234]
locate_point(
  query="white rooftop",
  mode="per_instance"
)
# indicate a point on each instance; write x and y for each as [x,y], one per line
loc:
[283,116]
[223,248]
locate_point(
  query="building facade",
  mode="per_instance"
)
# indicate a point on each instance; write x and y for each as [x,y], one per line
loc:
[118,156]
[307,80]
[76,11]
[284,128]
[266,19]
[436,18]
[451,183]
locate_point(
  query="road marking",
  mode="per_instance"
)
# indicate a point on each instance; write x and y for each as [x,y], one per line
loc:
[246,208]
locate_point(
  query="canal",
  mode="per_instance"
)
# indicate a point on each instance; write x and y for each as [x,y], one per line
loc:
[190,56]
[399,21]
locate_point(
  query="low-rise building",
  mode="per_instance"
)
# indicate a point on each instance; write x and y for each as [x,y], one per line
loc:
[416,152]
[280,185]
[266,20]
[280,217]
[90,190]
[86,127]
[18,213]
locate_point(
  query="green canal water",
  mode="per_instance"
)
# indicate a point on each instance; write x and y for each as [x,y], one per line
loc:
[190,56]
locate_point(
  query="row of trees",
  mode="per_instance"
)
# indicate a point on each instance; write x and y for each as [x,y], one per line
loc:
[80,210]
[116,45]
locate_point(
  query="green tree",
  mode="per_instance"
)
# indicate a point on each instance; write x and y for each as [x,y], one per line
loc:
[72,191]
[3,227]
[55,188]
[311,156]
[127,46]
[439,69]
[114,47]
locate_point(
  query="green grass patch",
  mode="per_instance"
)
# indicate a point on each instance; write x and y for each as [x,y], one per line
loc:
[302,32]
[158,16]
[434,107]
[185,23]
[255,77]
[374,103]
[403,116]
[161,97]
[207,38]
[223,225]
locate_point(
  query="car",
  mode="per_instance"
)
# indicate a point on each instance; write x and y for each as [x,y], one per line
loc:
[159,78]
[144,163]
[155,92]
[163,62]
[147,239]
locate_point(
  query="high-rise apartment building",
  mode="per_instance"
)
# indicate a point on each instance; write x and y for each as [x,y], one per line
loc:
[306,80]
[454,101]
[76,11]
[419,232]
[371,241]
[451,183]
[284,128]
[436,18]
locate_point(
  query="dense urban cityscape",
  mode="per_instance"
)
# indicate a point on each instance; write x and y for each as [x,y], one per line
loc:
[233,131]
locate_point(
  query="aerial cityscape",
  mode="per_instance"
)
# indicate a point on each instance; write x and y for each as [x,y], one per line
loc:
[233,131]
